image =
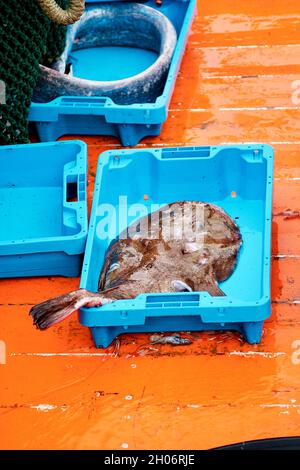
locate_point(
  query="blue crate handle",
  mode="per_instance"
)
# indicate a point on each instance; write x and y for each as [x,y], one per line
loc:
[74,196]
[87,104]
[180,299]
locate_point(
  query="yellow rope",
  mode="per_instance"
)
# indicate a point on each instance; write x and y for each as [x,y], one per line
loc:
[60,16]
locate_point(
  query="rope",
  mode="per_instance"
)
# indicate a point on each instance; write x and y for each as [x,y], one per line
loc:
[60,16]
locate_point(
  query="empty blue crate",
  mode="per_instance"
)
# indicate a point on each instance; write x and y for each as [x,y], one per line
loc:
[43,209]
[237,178]
[75,115]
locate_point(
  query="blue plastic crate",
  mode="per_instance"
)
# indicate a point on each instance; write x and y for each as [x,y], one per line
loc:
[101,116]
[43,209]
[238,179]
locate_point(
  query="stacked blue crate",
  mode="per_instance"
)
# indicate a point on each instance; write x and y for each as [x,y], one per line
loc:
[101,116]
[237,178]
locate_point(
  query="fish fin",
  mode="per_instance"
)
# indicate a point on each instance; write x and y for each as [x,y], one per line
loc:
[55,310]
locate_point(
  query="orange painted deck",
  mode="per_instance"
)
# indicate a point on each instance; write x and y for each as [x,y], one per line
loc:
[59,392]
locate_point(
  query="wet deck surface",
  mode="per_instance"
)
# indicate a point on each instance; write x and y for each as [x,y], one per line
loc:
[58,391]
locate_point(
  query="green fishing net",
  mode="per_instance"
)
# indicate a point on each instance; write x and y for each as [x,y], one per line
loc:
[27,38]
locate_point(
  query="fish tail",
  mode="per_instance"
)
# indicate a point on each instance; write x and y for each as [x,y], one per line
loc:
[55,310]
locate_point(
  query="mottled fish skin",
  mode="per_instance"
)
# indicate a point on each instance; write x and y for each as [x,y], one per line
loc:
[159,260]
[126,24]
[200,259]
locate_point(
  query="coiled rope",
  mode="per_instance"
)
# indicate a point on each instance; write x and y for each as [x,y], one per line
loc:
[61,16]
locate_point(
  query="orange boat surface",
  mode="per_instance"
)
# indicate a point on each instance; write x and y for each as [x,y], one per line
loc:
[238,83]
